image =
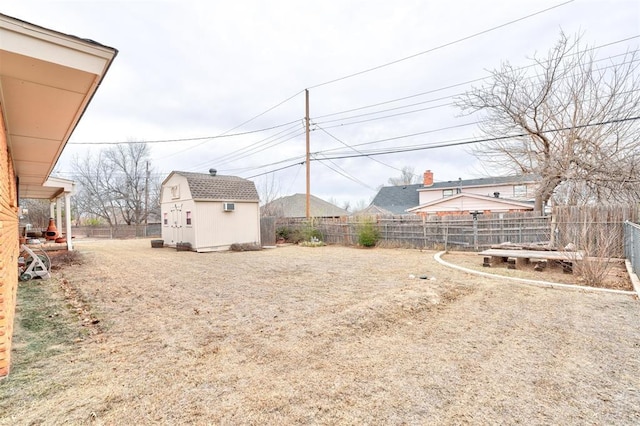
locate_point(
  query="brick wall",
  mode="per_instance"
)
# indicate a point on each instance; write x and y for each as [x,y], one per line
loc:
[9,250]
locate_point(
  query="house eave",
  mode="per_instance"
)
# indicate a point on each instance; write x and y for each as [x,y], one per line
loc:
[47,80]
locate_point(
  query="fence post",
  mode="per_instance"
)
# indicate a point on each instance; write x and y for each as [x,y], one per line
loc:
[424,231]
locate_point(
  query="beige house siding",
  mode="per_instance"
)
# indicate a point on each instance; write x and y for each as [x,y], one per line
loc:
[217,229]
[9,250]
[467,204]
[510,191]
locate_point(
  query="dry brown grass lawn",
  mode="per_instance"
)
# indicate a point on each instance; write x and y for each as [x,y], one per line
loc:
[324,335]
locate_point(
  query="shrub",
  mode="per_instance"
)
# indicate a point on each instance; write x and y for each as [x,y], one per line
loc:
[310,232]
[283,233]
[368,234]
[290,235]
[245,247]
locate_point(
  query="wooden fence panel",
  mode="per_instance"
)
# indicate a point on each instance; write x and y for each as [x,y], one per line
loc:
[455,232]
[268,231]
[461,232]
[597,229]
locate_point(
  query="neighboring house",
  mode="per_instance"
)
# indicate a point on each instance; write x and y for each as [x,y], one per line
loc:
[373,210]
[486,195]
[209,211]
[395,199]
[463,203]
[47,80]
[494,194]
[296,206]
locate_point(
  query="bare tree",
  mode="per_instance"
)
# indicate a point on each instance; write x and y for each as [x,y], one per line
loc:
[37,213]
[130,182]
[269,191]
[113,186]
[407,177]
[569,118]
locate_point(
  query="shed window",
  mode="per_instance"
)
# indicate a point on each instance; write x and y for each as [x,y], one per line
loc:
[175,192]
[188,218]
[447,192]
[165,219]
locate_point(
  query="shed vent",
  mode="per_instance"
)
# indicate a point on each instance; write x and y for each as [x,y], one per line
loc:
[213,172]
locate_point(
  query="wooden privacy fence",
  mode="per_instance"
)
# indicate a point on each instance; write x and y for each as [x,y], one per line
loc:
[268,230]
[120,231]
[592,228]
[598,230]
[438,232]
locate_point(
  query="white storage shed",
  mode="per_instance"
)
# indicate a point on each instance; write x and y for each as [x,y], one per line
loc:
[209,211]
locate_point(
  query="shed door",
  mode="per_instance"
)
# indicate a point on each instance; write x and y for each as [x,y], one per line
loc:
[176,223]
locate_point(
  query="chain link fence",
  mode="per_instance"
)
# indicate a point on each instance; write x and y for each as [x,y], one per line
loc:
[632,245]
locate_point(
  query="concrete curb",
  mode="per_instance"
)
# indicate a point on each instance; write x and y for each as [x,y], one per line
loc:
[548,284]
[634,278]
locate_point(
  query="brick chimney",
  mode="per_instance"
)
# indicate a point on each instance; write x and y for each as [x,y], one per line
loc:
[428,178]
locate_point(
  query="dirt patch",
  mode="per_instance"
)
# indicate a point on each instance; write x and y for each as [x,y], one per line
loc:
[324,335]
[616,276]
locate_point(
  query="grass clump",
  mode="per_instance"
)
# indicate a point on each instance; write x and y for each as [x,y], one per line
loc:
[44,328]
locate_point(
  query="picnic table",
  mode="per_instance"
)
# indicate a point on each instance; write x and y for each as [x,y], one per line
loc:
[515,258]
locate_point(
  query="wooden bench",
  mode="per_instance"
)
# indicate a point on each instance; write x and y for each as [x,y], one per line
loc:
[515,258]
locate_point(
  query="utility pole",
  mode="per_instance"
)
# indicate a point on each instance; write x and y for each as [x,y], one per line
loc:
[306,119]
[146,199]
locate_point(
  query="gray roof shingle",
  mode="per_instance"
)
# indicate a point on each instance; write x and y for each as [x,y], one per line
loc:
[397,199]
[204,186]
[489,181]
[296,206]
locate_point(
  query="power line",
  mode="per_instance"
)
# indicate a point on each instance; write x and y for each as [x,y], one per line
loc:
[268,142]
[275,170]
[442,46]
[468,142]
[226,135]
[343,173]
[241,124]
[442,144]
[352,148]
[465,83]
[440,98]
[185,139]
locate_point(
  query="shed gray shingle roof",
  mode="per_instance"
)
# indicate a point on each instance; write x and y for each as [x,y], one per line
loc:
[204,186]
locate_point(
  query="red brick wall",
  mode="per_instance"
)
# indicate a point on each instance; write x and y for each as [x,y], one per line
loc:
[9,250]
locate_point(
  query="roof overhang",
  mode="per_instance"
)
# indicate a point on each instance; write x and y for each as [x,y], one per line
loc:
[47,79]
[452,203]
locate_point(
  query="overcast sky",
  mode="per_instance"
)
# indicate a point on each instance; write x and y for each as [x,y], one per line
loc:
[205,69]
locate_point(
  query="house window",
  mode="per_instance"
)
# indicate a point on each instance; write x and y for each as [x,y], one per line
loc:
[188,218]
[519,191]
[447,192]
[165,219]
